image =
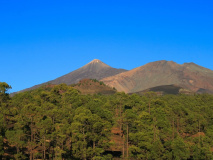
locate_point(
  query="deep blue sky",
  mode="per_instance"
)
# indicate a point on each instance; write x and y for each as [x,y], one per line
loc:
[42,40]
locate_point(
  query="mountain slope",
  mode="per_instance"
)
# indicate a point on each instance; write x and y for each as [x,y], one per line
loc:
[93,70]
[189,75]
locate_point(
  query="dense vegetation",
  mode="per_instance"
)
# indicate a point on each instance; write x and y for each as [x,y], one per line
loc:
[57,122]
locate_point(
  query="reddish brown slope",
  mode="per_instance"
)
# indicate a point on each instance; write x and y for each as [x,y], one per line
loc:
[188,75]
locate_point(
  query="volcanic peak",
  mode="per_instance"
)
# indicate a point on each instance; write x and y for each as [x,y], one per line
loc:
[95,61]
[96,64]
[95,69]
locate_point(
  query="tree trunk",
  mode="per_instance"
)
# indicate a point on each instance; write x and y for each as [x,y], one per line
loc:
[31,139]
[30,150]
[17,148]
[120,119]
[44,149]
[70,147]
[42,144]
[173,126]
[127,142]
[177,125]
[149,108]
[123,146]
[85,154]
[116,111]
[154,120]
[199,130]
[93,141]
[93,145]
[33,147]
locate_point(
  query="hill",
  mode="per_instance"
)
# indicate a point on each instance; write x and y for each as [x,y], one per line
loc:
[93,86]
[189,76]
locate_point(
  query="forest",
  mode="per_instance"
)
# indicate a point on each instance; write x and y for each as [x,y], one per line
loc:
[58,122]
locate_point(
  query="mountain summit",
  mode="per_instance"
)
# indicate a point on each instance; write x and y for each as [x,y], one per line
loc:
[96,66]
[97,61]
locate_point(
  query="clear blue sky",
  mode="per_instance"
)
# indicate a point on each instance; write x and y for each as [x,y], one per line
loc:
[41,40]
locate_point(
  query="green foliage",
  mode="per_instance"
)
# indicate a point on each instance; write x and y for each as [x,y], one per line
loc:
[58,122]
[4,87]
[180,150]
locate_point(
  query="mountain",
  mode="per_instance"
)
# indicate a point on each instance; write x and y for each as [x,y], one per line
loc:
[189,76]
[93,70]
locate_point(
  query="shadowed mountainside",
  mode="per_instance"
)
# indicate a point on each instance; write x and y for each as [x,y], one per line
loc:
[166,89]
[188,76]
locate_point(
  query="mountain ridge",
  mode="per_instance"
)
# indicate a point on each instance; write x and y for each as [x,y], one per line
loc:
[188,75]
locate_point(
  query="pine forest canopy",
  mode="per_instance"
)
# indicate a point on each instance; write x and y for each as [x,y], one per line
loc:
[4,87]
[57,122]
